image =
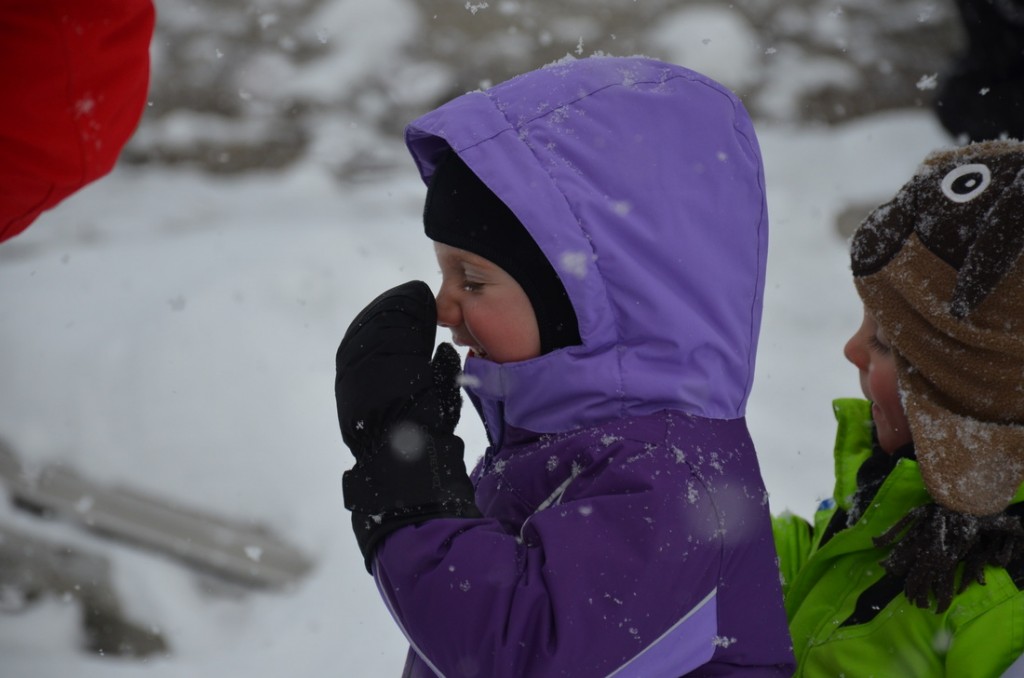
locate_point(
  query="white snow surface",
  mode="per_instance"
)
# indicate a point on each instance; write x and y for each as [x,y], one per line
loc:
[175,333]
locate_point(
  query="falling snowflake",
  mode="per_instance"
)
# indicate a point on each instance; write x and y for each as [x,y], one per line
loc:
[574,263]
[84,106]
[467,380]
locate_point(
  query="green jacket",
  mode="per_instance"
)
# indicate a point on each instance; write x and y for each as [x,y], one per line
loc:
[847,619]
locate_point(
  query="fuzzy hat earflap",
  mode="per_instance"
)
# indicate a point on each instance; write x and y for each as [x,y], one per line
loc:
[940,267]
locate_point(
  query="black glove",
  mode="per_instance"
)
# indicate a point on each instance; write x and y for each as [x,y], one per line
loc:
[398,410]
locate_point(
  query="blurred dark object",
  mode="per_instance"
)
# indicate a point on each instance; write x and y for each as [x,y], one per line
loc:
[982,95]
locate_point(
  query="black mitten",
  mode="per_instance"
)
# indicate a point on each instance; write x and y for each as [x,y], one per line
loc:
[398,409]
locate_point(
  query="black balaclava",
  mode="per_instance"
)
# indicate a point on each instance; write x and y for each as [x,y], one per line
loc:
[461,211]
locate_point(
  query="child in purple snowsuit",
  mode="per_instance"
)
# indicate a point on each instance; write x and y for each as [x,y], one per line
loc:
[601,228]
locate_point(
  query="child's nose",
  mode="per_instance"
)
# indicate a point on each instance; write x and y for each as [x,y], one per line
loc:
[856,352]
[447,310]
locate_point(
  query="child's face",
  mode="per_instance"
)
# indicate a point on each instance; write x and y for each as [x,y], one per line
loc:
[868,349]
[484,307]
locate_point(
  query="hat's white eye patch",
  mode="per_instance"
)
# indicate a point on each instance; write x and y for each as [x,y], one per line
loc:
[966,182]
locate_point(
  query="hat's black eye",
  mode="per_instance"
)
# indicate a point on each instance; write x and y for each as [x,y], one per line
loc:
[966,182]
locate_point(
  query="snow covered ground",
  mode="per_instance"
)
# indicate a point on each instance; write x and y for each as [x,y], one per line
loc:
[175,333]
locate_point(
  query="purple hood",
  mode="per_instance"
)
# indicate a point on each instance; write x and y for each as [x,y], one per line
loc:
[642,182]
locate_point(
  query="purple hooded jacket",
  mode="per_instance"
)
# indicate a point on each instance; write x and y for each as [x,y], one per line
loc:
[625,529]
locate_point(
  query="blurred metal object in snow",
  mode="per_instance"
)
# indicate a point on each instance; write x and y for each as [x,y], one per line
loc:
[243,553]
[31,568]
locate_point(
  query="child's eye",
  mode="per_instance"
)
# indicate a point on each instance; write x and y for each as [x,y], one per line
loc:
[878,345]
[472,286]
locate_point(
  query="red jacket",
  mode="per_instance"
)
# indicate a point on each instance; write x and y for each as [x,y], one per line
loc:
[74,76]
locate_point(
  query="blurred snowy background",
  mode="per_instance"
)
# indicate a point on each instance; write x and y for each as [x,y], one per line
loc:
[172,328]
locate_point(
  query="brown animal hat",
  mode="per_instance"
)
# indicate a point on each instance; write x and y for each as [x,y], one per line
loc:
[940,267]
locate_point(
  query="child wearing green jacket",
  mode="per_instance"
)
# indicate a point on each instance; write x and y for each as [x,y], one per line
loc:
[915,566]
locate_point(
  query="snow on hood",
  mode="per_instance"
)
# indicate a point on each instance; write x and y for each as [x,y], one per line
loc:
[642,182]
